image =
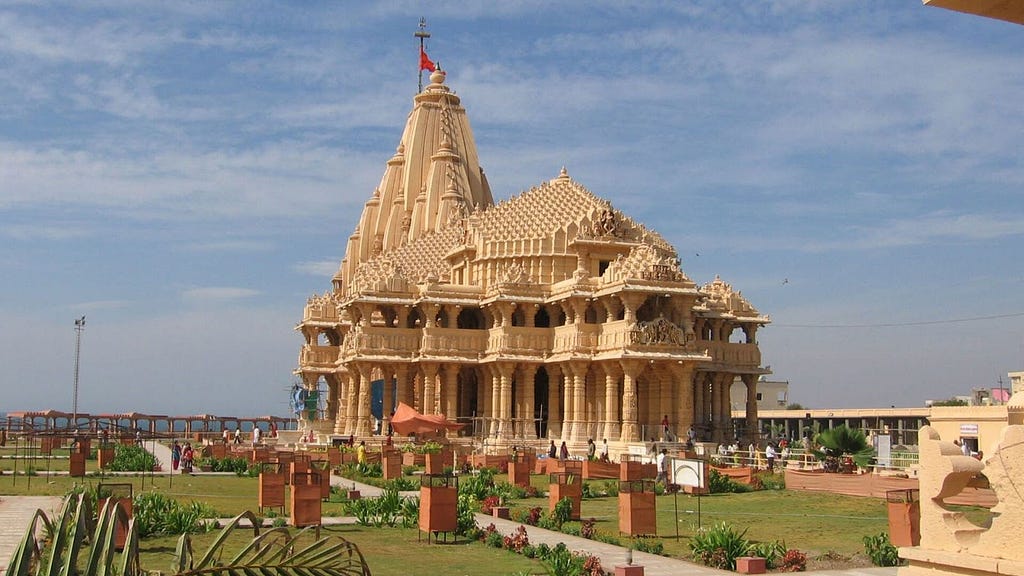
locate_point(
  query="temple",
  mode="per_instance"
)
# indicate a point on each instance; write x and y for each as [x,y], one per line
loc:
[550,315]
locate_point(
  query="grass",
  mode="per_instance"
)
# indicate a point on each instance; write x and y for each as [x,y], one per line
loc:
[388,551]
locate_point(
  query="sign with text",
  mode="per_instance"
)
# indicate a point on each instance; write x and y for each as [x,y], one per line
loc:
[968,429]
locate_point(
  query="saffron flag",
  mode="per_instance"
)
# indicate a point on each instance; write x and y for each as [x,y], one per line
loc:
[425,63]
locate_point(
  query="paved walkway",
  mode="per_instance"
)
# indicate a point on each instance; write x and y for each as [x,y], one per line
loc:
[15,514]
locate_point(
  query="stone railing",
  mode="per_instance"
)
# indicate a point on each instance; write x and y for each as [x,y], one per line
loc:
[453,342]
[377,340]
[318,355]
[320,313]
[518,340]
[732,354]
[570,339]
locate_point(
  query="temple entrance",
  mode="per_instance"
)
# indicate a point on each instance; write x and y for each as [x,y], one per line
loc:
[540,402]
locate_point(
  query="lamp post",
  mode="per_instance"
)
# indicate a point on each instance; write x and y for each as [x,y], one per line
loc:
[79,328]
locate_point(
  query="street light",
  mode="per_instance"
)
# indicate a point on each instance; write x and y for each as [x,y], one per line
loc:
[79,327]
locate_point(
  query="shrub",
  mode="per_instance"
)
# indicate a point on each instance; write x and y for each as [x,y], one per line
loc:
[772,552]
[793,561]
[721,484]
[518,540]
[158,515]
[489,504]
[562,512]
[132,459]
[881,551]
[719,546]
[466,508]
[649,545]
[772,481]
[588,529]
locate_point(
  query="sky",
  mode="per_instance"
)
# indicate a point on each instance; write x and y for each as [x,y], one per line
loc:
[186,174]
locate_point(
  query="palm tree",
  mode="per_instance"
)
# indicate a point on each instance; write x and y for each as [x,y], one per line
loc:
[837,443]
[52,547]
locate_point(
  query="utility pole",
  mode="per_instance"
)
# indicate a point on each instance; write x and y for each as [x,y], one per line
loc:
[422,34]
[79,328]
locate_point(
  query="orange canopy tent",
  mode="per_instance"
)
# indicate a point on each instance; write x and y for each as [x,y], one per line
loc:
[407,420]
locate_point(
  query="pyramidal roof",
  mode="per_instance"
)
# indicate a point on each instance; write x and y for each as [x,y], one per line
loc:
[434,177]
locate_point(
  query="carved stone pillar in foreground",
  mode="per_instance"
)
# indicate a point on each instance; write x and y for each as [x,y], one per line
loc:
[429,388]
[526,383]
[504,379]
[363,411]
[612,429]
[554,401]
[352,401]
[630,372]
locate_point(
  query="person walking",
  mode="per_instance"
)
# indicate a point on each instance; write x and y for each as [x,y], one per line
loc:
[361,452]
[769,455]
[662,461]
[666,433]
[175,455]
[187,455]
[552,450]
[591,450]
[563,452]
[604,450]
[257,434]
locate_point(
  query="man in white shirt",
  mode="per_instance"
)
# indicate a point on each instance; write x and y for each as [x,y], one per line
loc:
[662,461]
[769,455]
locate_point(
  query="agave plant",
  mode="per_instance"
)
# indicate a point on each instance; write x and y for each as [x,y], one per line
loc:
[842,441]
[275,551]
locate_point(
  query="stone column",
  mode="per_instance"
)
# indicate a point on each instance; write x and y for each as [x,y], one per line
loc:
[631,370]
[344,384]
[716,408]
[568,411]
[450,391]
[352,404]
[579,401]
[363,411]
[750,380]
[403,389]
[504,380]
[332,398]
[682,383]
[554,401]
[429,388]
[495,396]
[700,386]
[525,415]
[612,428]
[387,398]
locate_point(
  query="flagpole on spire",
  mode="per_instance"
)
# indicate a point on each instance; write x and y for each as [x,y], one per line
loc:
[422,34]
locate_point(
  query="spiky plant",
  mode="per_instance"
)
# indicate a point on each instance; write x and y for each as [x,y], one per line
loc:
[275,552]
[842,441]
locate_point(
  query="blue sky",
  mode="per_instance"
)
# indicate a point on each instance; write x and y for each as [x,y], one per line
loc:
[186,175]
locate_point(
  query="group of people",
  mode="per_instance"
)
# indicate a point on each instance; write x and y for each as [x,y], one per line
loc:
[182,456]
[562,452]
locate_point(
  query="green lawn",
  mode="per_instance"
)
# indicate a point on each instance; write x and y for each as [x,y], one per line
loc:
[813,523]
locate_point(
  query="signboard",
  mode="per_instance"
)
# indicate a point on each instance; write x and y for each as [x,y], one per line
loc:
[968,429]
[686,472]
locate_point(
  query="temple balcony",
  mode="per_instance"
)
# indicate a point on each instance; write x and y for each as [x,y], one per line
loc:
[582,338]
[382,341]
[732,354]
[518,340]
[318,356]
[453,343]
[320,312]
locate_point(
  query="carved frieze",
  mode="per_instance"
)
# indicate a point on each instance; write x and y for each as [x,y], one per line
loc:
[657,332]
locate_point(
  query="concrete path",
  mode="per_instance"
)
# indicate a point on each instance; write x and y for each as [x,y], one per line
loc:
[15,514]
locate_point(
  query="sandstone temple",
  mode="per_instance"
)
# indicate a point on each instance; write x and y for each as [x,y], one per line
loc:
[550,315]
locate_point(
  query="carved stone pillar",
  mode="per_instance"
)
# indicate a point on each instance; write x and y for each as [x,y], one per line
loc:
[568,412]
[612,427]
[352,402]
[631,302]
[682,383]
[631,370]
[363,411]
[494,414]
[554,401]
[387,397]
[430,315]
[403,389]
[332,398]
[579,401]
[450,391]
[403,316]
[344,384]
[524,414]
[716,408]
[504,379]
[700,386]
[752,430]
[429,388]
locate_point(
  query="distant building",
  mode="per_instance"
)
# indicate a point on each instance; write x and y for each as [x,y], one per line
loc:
[771,394]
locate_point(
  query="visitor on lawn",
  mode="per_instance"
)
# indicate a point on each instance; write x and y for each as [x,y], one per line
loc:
[591,449]
[604,450]
[662,461]
[769,455]
[175,455]
[361,452]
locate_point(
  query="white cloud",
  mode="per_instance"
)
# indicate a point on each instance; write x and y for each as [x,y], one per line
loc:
[218,293]
[323,268]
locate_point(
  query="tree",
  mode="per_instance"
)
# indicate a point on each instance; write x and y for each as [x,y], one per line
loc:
[275,552]
[839,442]
[795,406]
[950,402]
